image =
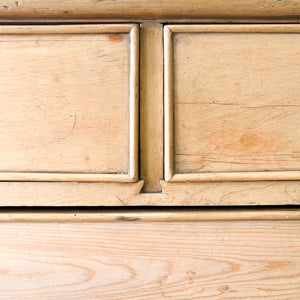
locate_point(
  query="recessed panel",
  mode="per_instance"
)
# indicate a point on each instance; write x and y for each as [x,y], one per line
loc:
[235,99]
[66,98]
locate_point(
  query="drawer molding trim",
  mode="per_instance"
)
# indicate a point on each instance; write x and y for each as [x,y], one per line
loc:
[150,216]
[170,174]
[132,175]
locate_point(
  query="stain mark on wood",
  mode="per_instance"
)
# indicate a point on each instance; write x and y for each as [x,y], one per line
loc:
[124,218]
[115,37]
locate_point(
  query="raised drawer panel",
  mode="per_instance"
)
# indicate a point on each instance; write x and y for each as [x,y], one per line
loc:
[68,102]
[232,102]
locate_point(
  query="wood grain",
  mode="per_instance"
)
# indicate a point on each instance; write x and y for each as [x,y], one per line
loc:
[72,94]
[168,105]
[152,215]
[148,9]
[68,193]
[195,260]
[129,194]
[235,99]
[231,193]
[151,106]
[237,176]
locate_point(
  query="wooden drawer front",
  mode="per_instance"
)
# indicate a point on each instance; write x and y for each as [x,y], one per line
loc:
[68,102]
[232,102]
[192,260]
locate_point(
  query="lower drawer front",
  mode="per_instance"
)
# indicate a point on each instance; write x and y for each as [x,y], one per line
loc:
[148,260]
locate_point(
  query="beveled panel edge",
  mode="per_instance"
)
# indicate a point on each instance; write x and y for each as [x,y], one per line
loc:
[235,28]
[133,31]
[168,105]
[169,173]
[237,176]
[65,29]
[149,216]
[134,103]
[65,177]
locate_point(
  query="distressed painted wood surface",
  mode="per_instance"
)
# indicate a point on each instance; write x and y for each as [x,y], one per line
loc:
[235,99]
[148,9]
[66,100]
[194,260]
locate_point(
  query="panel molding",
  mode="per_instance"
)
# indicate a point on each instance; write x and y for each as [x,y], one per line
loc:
[169,172]
[133,31]
[178,215]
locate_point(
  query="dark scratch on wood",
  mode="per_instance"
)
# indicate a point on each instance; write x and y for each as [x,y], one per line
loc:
[124,218]
[120,200]
[74,122]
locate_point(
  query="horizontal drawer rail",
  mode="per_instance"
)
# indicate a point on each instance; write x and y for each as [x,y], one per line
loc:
[147,215]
